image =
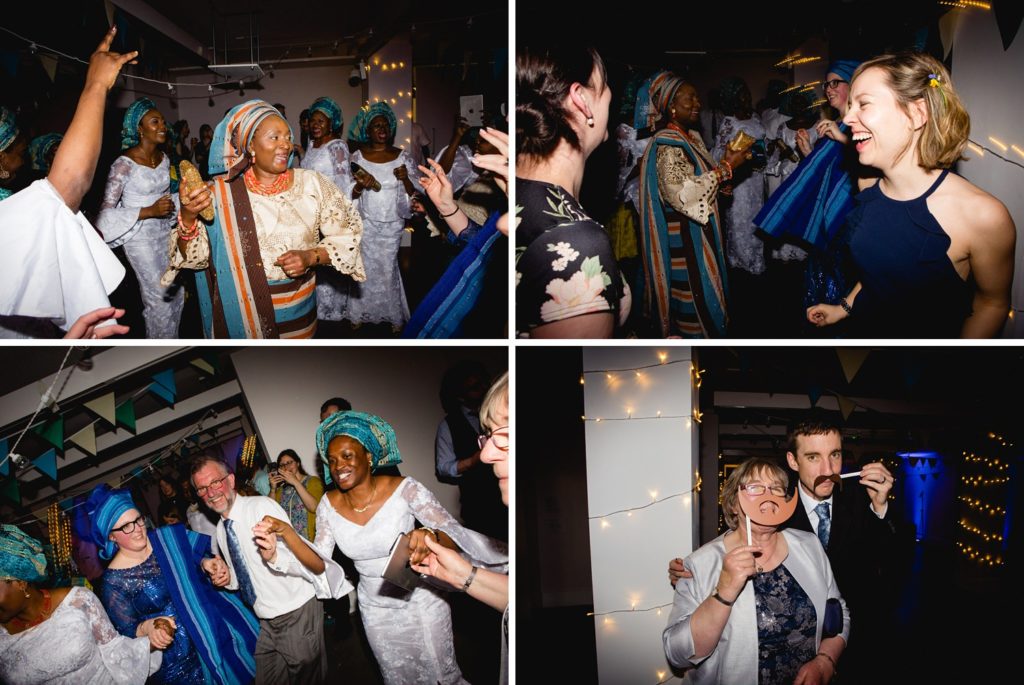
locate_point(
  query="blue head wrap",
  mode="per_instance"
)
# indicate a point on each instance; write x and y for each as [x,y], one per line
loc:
[8,128]
[331,110]
[40,147]
[261,482]
[130,126]
[104,506]
[372,432]
[377,109]
[843,68]
[21,555]
[232,136]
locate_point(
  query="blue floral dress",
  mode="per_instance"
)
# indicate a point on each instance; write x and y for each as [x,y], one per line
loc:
[786,626]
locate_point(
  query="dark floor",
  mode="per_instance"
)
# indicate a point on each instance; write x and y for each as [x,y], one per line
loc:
[954,622]
[476,628]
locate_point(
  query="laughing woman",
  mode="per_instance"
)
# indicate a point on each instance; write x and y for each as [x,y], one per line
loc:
[138,213]
[271,226]
[154,587]
[934,253]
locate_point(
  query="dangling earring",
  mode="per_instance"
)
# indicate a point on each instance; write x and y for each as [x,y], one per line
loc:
[590,122]
[4,173]
[673,112]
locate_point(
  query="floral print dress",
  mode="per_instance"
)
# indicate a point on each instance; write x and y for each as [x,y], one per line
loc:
[564,261]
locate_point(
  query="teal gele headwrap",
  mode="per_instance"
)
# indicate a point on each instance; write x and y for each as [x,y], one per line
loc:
[331,110]
[132,117]
[372,432]
[355,128]
[40,147]
[21,555]
[104,506]
[8,128]
[377,109]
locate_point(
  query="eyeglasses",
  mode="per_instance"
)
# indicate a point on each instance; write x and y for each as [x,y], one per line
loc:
[757,489]
[834,83]
[129,527]
[215,484]
[500,440]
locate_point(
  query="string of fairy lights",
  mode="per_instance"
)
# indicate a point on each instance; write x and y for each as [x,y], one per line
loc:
[640,376]
[983,542]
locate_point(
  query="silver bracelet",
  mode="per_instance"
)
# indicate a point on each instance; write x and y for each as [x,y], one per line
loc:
[469,581]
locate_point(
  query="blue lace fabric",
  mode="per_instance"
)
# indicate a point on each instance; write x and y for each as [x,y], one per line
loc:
[133,595]
[786,627]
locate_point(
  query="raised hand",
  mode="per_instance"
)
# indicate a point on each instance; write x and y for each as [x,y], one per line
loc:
[104,66]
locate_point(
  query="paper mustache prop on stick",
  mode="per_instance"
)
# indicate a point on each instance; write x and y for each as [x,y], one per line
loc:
[836,478]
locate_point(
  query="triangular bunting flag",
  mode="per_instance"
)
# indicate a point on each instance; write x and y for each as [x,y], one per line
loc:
[213,360]
[202,365]
[108,6]
[66,504]
[53,432]
[166,379]
[814,393]
[125,414]
[162,392]
[86,439]
[1009,16]
[104,408]
[49,63]
[851,358]
[846,406]
[10,490]
[47,463]
[5,464]
[41,514]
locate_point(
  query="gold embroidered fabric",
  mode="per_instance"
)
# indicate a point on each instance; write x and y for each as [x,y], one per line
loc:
[311,213]
[693,196]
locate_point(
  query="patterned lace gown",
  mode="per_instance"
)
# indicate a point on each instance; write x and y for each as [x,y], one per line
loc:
[410,632]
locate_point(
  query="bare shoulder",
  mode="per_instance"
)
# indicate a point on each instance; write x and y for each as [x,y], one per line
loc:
[982,213]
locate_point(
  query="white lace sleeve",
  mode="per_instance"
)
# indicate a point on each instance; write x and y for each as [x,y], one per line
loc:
[115,220]
[342,229]
[342,167]
[462,168]
[127,660]
[324,541]
[414,176]
[331,583]
[479,549]
[725,134]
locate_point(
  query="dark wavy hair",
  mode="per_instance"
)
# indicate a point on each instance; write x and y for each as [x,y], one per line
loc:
[543,79]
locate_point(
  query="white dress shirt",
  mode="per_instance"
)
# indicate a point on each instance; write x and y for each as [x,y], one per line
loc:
[286,584]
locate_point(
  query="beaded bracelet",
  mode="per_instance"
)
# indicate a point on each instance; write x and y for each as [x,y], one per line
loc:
[190,232]
[725,175]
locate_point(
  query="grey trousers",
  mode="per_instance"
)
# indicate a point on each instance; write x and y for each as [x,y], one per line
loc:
[290,648]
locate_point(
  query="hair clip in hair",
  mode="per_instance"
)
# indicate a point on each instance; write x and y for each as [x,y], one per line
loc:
[934,80]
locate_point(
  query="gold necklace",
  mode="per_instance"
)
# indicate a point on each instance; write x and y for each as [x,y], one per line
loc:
[372,495]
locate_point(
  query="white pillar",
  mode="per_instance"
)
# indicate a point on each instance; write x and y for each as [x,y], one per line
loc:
[632,462]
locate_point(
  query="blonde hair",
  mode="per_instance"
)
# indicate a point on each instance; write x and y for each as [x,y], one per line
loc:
[917,76]
[743,474]
[494,401]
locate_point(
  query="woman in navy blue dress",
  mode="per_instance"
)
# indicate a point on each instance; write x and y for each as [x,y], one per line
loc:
[934,253]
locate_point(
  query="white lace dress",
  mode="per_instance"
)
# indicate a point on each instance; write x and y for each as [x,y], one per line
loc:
[410,633]
[744,250]
[130,187]
[381,297]
[77,645]
[331,160]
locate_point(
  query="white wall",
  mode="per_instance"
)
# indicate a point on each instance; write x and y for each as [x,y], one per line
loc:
[294,87]
[631,463]
[988,78]
[391,74]
[284,388]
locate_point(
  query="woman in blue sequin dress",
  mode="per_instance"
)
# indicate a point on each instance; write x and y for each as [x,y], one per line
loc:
[154,576]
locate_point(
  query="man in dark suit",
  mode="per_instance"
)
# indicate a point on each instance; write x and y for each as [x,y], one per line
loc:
[855,525]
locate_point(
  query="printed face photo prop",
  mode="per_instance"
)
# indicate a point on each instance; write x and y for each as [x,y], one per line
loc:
[768,509]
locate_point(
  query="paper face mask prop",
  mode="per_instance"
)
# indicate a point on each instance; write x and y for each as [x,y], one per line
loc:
[768,509]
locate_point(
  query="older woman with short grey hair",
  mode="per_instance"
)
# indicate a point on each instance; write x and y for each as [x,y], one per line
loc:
[762,605]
